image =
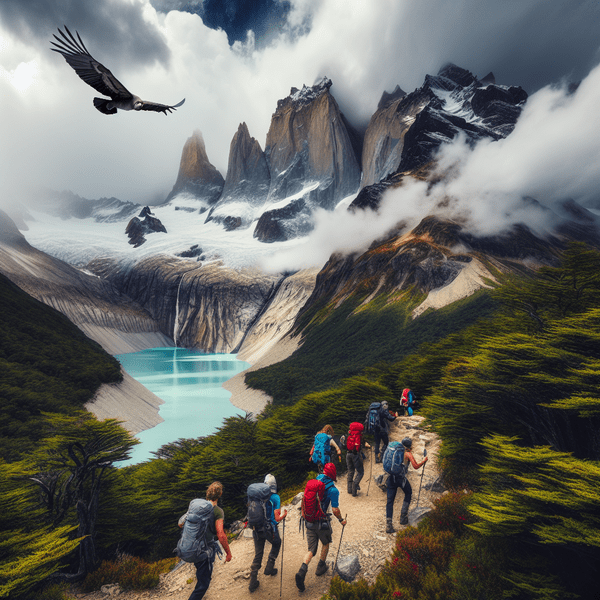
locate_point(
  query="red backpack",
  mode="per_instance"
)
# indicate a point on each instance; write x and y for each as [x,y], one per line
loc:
[355,436]
[314,492]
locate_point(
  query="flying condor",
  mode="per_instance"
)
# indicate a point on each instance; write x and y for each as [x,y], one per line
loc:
[101,79]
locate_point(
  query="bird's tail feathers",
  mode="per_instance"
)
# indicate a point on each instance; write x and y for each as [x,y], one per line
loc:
[101,105]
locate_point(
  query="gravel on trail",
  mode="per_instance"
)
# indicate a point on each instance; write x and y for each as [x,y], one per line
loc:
[364,535]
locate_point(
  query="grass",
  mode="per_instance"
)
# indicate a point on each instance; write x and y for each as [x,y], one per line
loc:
[342,343]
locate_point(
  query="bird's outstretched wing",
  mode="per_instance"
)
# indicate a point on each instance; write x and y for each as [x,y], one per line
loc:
[88,68]
[163,108]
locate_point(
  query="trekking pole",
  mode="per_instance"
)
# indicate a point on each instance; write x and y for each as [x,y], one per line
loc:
[281,576]
[339,546]
[241,530]
[371,472]
[422,473]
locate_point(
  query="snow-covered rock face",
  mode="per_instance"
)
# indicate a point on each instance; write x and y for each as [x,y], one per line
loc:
[407,129]
[197,175]
[310,154]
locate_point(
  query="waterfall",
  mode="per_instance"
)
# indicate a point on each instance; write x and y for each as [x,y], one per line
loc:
[176,324]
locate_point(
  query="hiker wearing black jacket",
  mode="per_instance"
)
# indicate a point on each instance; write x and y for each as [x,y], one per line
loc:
[381,433]
[401,481]
[354,457]
[271,534]
[204,568]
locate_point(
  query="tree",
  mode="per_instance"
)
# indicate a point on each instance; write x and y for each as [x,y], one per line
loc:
[29,549]
[76,458]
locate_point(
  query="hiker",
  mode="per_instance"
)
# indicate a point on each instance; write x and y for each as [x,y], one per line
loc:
[382,429]
[399,480]
[320,530]
[407,401]
[354,457]
[269,532]
[320,453]
[214,527]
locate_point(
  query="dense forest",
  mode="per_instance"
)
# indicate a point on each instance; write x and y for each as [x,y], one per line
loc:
[513,395]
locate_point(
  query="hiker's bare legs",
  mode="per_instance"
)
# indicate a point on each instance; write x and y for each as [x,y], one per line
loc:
[324,552]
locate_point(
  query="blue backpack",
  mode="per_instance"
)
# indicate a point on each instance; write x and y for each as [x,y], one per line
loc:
[192,545]
[322,451]
[259,494]
[393,459]
[373,423]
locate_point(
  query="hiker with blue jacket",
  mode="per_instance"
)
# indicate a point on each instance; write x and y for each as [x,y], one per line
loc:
[400,480]
[320,453]
[382,431]
[214,528]
[321,531]
[268,533]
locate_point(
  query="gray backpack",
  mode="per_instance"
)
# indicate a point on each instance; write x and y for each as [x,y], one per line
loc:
[192,546]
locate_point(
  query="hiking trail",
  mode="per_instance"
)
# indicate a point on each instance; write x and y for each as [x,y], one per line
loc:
[364,535]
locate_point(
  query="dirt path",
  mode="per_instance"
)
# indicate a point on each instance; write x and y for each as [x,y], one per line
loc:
[364,535]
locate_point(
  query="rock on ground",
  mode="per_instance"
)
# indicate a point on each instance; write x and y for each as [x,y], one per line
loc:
[364,536]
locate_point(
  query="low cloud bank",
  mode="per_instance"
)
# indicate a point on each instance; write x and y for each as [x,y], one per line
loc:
[552,155]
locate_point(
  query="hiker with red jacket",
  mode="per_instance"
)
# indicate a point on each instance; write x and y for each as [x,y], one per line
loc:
[319,530]
[354,457]
[407,401]
[320,453]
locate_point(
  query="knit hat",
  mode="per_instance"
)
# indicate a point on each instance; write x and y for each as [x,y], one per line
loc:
[407,442]
[330,470]
[271,482]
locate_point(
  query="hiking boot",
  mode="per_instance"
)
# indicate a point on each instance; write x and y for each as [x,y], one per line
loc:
[389,528]
[270,568]
[254,582]
[300,575]
[404,514]
[355,489]
[321,568]
[350,488]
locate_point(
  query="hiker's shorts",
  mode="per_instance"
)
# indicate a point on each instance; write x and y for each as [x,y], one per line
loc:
[314,536]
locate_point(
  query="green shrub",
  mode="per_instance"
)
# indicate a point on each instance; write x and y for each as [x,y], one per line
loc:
[55,591]
[130,572]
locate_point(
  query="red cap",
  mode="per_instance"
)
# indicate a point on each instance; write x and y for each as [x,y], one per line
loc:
[330,471]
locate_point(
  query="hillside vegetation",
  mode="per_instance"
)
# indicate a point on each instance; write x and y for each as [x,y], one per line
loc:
[514,399]
[339,343]
[46,365]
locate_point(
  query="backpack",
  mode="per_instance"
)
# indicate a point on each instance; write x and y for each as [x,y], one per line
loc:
[373,417]
[393,459]
[354,440]
[408,398]
[192,544]
[311,508]
[322,451]
[259,494]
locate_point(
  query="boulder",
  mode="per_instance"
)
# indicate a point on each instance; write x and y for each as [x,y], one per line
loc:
[348,567]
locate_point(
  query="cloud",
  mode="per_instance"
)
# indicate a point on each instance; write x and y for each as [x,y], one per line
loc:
[52,135]
[552,155]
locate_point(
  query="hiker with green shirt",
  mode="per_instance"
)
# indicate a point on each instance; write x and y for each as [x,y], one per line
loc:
[267,531]
[212,528]
[320,530]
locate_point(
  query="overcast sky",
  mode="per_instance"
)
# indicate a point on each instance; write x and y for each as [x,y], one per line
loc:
[51,134]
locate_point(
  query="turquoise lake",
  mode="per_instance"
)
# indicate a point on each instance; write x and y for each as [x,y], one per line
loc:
[189,382]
